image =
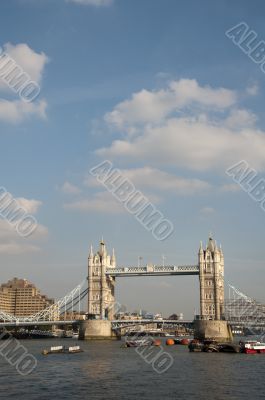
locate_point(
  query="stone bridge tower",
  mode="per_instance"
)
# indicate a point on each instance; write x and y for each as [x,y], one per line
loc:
[211,265]
[212,322]
[100,286]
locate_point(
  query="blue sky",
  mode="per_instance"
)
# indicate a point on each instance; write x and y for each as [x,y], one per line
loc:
[157,88]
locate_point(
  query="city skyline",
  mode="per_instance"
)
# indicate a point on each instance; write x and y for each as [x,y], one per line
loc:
[170,116]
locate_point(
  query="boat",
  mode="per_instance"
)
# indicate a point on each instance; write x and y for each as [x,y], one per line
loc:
[252,347]
[182,340]
[75,349]
[228,348]
[62,350]
[195,347]
[211,346]
[138,343]
[32,334]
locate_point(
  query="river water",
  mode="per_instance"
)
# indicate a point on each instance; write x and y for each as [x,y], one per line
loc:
[106,371]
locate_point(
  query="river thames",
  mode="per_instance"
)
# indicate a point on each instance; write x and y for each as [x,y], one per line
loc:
[106,371]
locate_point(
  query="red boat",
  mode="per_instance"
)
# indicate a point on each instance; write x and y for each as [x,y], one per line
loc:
[253,348]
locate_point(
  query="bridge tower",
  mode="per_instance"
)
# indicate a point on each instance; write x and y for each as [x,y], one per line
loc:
[211,267]
[101,286]
[212,323]
[101,300]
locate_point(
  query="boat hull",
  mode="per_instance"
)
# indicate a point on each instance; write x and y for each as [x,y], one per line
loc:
[254,351]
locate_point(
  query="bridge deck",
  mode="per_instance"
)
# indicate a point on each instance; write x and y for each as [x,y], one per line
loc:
[154,270]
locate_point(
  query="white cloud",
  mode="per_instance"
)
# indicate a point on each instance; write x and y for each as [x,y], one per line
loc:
[186,125]
[240,119]
[32,63]
[40,233]
[163,75]
[11,242]
[30,206]
[17,248]
[192,144]
[97,3]
[100,202]
[152,178]
[230,187]
[252,90]
[8,232]
[207,211]
[153,106]
[69,188]
[156,179]
[104,202]
[18,110]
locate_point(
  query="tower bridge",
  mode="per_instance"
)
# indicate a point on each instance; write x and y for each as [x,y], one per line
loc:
[102,274]
[238,310]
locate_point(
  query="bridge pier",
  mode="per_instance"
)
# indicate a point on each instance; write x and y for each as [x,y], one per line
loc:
[217,330]
[96,329]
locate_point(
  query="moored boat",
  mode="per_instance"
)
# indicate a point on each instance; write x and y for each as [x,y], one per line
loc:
[75,349]
[211,346]
[195,346]
[138,343]
[253,347]
[62,350]
[54,350]
[228,348]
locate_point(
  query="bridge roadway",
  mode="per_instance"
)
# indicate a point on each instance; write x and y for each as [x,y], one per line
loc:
[153,270]
[122,322]
[184,322]
[36,323]
[69,322]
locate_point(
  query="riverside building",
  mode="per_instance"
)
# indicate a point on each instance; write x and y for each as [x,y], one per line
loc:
[21,298]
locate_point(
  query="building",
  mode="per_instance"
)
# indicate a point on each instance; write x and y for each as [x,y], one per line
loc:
[21,298]
[73,316]
[101,299]
[211,265]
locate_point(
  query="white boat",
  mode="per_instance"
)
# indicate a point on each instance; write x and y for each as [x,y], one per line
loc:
[253,347]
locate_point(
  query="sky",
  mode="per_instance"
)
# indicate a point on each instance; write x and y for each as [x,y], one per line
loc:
[158,89]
